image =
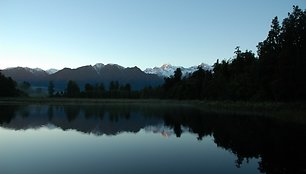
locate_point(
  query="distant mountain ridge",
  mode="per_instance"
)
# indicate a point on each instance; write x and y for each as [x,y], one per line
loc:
[167,70]
[36,76]
[99,73]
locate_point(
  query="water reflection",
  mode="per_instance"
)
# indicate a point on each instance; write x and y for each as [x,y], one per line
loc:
[280,146]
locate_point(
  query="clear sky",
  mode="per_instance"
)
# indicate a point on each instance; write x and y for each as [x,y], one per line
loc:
[143,33]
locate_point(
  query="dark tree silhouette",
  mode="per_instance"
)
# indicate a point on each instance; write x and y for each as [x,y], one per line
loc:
[51,88]
[114,89]
[177,75]
[8,87]
[89,90]
[282,58]
[277,74]
[73,89]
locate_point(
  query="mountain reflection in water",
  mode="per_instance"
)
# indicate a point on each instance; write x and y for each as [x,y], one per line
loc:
[279,145]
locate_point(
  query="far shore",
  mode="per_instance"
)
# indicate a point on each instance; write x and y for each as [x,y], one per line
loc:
[292,112]
[209,106]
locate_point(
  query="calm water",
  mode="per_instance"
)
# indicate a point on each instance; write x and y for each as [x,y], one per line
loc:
[42,139]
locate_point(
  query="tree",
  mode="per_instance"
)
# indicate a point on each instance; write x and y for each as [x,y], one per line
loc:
[268,52]
[126,92]
[243,77]
[282,58]
[177,74]
[89,90]
[100,90]
[171,82]
[218,87]
[51,88]
[113,89]
[72,89]
[290,83]
[8,87]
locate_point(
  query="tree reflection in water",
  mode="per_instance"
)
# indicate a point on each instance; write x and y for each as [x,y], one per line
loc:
[279,144]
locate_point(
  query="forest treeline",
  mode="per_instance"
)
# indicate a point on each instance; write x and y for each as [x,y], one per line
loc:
[8,87]
[277,73]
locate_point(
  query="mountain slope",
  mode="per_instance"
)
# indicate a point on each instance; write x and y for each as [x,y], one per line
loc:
[98,73]
[35,76]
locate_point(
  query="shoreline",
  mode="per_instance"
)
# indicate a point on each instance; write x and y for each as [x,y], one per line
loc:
[292,112]
[203,104]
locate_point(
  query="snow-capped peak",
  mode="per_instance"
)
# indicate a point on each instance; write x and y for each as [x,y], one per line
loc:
[98,67]
[167,70]
[51,71]
[166,66]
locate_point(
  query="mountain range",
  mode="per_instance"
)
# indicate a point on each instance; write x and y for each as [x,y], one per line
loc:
[167,70]
[96,74]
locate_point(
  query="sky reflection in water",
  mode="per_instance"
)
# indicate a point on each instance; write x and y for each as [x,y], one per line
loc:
[143,139]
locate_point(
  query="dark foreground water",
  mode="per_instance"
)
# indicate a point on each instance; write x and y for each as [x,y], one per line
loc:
[42,139]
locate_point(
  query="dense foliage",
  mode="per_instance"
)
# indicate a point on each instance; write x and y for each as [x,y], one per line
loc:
[114,90]
[8,87]
[234,79]
[278,73]
[282,58]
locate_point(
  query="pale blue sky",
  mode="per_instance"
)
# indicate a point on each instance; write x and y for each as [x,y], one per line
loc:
[143,33]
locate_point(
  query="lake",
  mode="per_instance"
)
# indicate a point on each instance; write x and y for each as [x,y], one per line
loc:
[136,138]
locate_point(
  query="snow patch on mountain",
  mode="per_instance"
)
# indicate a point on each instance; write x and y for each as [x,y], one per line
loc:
[98,67]
[34,70]
[116,65]
[167,70]
[51,71]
